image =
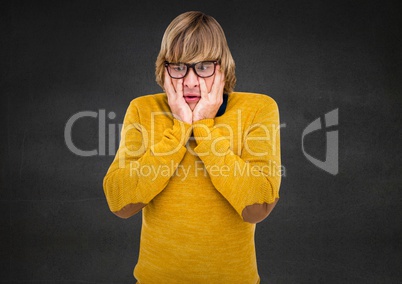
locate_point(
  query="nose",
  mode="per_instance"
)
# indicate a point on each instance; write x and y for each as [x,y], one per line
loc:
[191,79]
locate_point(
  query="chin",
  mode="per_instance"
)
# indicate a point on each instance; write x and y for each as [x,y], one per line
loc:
[192,106]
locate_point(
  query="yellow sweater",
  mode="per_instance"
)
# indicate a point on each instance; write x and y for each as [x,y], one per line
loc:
[196,180]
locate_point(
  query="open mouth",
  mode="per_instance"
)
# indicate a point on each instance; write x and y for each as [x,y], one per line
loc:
[191,98]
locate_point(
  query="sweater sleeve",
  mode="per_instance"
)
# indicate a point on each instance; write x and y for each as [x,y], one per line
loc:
[254,177]
[134,175]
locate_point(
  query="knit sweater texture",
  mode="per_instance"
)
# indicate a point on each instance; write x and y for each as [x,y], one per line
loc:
[196,180]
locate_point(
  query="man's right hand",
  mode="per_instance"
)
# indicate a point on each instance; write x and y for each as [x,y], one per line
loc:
[178,106]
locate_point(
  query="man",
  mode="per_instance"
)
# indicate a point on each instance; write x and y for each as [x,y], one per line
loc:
[199,160]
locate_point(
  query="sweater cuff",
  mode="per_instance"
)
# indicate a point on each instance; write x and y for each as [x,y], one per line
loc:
[181,131]
[175,139]
[210,141]
[202,129]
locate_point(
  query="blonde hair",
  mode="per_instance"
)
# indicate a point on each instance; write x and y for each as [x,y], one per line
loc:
[192,37]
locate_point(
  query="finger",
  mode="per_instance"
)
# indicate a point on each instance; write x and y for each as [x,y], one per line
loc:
[167,83]
[222,81]
[203,87]
[219,82]
[221,75]
[169,89]
[179,88]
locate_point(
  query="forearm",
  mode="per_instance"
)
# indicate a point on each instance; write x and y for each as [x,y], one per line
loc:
[246,182]
[135,177]
[241,183]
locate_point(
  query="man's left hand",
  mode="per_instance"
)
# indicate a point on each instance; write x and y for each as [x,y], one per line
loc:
[209,104]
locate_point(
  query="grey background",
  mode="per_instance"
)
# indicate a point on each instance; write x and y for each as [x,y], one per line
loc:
[62,57]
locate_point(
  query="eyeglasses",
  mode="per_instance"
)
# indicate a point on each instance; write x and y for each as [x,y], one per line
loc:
[203,69]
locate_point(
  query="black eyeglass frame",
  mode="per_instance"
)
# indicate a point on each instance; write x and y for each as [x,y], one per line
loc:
[215,62]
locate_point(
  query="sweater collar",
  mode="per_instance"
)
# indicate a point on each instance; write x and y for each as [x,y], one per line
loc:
[222,108]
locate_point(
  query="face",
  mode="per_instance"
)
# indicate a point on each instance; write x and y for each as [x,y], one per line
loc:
[191,87]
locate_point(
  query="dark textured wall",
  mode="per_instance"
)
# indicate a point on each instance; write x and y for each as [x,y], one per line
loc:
[62,57]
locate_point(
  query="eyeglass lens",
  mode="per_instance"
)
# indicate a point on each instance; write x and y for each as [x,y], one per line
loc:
[203,69]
